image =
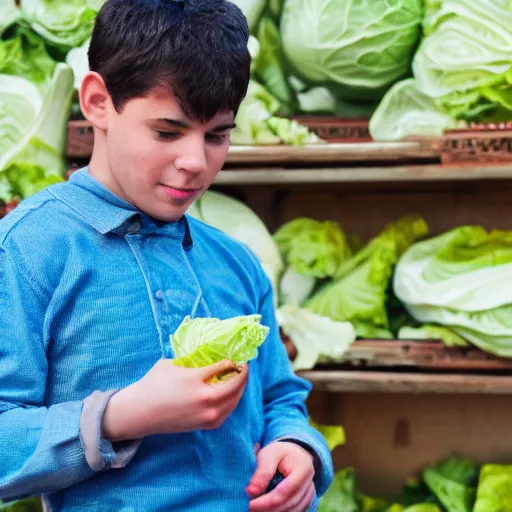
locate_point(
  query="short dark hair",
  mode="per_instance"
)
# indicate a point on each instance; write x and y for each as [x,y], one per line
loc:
[195,48]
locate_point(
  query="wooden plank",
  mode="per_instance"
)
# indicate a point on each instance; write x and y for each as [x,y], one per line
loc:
[370,174]
[335,152]
[417,383]
[433,355]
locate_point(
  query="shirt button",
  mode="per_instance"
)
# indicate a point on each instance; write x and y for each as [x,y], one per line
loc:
[159,294]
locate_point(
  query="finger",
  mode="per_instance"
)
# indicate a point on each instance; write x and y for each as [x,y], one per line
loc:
[292,503]
[307,500]
[224,366]
[267,462]
[304,505]
[293,484]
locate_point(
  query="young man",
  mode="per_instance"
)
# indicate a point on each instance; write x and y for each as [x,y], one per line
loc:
[96,273]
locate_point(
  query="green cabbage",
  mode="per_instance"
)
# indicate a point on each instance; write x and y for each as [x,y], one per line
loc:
[33,133]
[78,61]
[316,338]
[201,342]
[64,25]
[461,279]
[361,46]
[465,61]
[23,53]
[359,291]
[405,111]
[342,494]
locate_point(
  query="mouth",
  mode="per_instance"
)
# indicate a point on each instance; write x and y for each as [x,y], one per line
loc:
[180,194]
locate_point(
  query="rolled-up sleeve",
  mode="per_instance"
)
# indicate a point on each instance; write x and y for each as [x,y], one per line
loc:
[284,396]
[42,447]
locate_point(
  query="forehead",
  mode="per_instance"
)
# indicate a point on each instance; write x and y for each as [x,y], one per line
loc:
[162,104]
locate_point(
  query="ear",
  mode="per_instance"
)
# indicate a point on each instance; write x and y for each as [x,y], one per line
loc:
[95,101]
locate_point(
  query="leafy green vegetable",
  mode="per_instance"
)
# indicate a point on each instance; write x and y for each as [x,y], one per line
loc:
[342,494]
[313,248]
[361,46]
[359,292]
[494,489]
[452,482]
[317,338]
[238,221]
[432,332]
[201,342]
[465,61]
[64,25]
[405,111]
[23,53]
[461,279]
[269,63]
[334,435]
[34,156]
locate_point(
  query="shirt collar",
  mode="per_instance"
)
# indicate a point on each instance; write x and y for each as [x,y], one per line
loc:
[108,213]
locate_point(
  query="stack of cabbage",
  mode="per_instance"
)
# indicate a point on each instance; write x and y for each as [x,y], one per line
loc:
[36,90]
[328,287]
[462,71]
[462,280]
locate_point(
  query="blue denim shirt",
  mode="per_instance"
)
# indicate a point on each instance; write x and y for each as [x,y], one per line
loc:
[90,290]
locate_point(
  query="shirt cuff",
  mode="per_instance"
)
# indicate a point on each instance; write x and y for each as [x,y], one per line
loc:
[100,453]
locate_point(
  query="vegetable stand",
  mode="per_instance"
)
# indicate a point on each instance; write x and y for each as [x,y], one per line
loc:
[403,404]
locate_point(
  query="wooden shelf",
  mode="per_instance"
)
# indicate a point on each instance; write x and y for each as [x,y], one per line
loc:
[414,383]
[404,173]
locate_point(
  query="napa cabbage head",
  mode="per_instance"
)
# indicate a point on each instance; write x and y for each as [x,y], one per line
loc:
[360,46]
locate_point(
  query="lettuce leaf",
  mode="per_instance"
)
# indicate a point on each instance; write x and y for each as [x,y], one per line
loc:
[202,342]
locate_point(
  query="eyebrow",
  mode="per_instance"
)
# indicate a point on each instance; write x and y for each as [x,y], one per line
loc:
[178,123]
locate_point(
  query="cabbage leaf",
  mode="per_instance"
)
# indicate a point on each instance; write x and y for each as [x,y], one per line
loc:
[202,342]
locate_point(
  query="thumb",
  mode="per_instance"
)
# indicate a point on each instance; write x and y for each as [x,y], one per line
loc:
[220,368]
[267,462]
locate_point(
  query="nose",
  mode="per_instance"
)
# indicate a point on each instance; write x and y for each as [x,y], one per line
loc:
[191,156]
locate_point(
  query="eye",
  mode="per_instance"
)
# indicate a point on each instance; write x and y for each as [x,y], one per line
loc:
[216,139]
[167,135]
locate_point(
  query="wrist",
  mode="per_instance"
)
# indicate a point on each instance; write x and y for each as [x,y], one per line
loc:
[121,419]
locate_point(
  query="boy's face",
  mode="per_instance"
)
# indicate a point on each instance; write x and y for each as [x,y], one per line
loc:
[159,160]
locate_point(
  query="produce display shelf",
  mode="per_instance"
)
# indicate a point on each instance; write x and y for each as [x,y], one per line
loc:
[353,381]
[360,174]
